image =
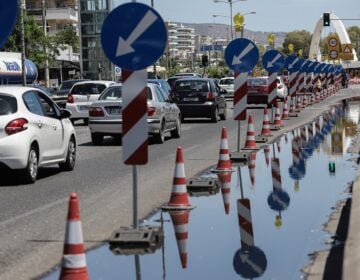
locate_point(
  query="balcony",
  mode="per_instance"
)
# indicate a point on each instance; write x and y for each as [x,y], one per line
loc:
[62,14]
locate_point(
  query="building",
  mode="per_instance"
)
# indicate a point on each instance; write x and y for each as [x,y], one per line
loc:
[57,15]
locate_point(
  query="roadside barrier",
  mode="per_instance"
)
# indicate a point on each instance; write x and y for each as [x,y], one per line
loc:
[73,265]
[245,222]
[179,199]
[277,120]
[265,131]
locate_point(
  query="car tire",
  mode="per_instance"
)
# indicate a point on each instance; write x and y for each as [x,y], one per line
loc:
[69,163]
[215,115]
[31,170]
[97,138]
[160,136]
[223,116]
[176,133]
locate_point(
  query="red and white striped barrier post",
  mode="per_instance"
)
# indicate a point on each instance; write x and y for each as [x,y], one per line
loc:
[292,93]
[275,174]
[273,92]
[245,222]
[240,100]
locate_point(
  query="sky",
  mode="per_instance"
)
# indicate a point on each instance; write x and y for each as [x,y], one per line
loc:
[271,15]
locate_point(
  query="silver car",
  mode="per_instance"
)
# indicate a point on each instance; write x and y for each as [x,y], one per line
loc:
[105,118]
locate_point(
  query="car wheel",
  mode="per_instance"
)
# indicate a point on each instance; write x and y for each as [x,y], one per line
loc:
[215,115]
[223,116]
[31,170]
[97,138]
[176,133]
[160,136]
[86,121]
[69,163]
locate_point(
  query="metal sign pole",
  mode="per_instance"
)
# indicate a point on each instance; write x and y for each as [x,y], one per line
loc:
[135,198]
[240,182]
[238,140]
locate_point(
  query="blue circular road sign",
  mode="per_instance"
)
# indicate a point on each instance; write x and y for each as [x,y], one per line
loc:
[273,61]
[8,15]
[278,200]
[133,36]
[292,63]
[250,262]
[311,66]
[241,55]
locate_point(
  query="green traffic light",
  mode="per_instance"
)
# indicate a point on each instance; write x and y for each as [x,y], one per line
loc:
[332,167]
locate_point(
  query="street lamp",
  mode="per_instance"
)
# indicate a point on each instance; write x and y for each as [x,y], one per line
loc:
[230,2]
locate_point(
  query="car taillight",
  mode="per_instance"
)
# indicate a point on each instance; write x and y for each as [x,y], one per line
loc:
[96,112]
[16,126]
[210,96]
[151,111]
[70,98]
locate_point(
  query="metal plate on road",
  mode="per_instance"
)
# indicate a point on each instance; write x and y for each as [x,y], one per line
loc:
[241,55]
[133,36]
[8,15]
[273,61]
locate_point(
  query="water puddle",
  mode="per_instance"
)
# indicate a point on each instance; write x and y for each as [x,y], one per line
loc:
[261,221]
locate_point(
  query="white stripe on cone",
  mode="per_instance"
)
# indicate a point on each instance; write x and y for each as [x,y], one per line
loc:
[74,261]
[74,233]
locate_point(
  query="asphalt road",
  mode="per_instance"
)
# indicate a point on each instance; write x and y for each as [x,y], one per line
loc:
[32,217]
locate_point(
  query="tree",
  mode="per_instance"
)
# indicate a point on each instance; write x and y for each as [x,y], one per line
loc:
[69,37]
[301,39]
[354,34]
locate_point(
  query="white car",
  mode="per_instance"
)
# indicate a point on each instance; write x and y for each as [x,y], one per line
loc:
[34,132]
[227,84]
[282,90]
[105,118]
[80,97]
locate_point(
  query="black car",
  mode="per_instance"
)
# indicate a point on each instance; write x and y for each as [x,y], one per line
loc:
[199,98]
[66,85]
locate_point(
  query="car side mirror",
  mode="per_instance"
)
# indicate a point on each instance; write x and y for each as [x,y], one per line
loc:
[64,114]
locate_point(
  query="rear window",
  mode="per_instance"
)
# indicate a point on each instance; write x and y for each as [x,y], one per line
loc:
[257,82]
[85,89]
[8,105]
[226,82]
[111,93]
[196,86]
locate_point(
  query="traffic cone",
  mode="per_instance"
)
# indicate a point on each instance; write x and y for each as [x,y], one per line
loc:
[277,120]
[73,261]
[180,220]
[292,105]
[298,105]
[278,145]
[305,101]
[267,155]
[285,114]
[225,181]
[252,165]
[266,124]
[313,101]
[250,136]
[224,163]
[179,199]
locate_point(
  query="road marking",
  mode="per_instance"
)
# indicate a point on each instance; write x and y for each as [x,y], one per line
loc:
[124,46]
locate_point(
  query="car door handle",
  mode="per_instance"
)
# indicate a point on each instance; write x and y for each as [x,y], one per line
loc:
[39,124]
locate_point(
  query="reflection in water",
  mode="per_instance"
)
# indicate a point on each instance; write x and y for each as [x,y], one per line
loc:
[252,166]
[225,182]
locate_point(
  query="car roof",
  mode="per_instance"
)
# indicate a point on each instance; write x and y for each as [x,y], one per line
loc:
[226,78]
[17,90]
[95,82]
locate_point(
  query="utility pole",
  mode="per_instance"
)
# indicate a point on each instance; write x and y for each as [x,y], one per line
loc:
[22,39]
[154,66]
[45,48]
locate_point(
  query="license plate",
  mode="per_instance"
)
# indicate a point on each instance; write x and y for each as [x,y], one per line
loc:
[83,108]
[191,99]
[113,110]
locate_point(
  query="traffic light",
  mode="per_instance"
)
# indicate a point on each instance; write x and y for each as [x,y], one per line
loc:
[326,19]
[204,60]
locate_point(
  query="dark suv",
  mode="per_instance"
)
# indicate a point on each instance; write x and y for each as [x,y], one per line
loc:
[199,98]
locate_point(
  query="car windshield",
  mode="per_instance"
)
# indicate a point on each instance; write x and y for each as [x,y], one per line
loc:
[67,84]
[257,82]
[111,93]
[226,82]
[193,85]
[8,105]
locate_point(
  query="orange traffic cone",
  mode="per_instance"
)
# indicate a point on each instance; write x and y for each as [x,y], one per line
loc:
[250,136]
[267,155]
[252,161]
[179,199]
[73,261]
[277,121]
[224,163]
[225,181]
[266,124]
[180,221]
[278,145]
[285,114]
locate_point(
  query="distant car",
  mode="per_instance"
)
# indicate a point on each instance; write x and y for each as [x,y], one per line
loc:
[66,85]
[227,84]
[34,132]
[59,100]
[199,98]
[258,90]
[161,83]
[185,74]
[105,116]
[282,90]
[81,95]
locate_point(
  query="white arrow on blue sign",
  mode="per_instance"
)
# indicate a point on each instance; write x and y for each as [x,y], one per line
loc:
[8,14]
[133,36]
[241,55]
[273,61]
[292,63]
[250,262]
